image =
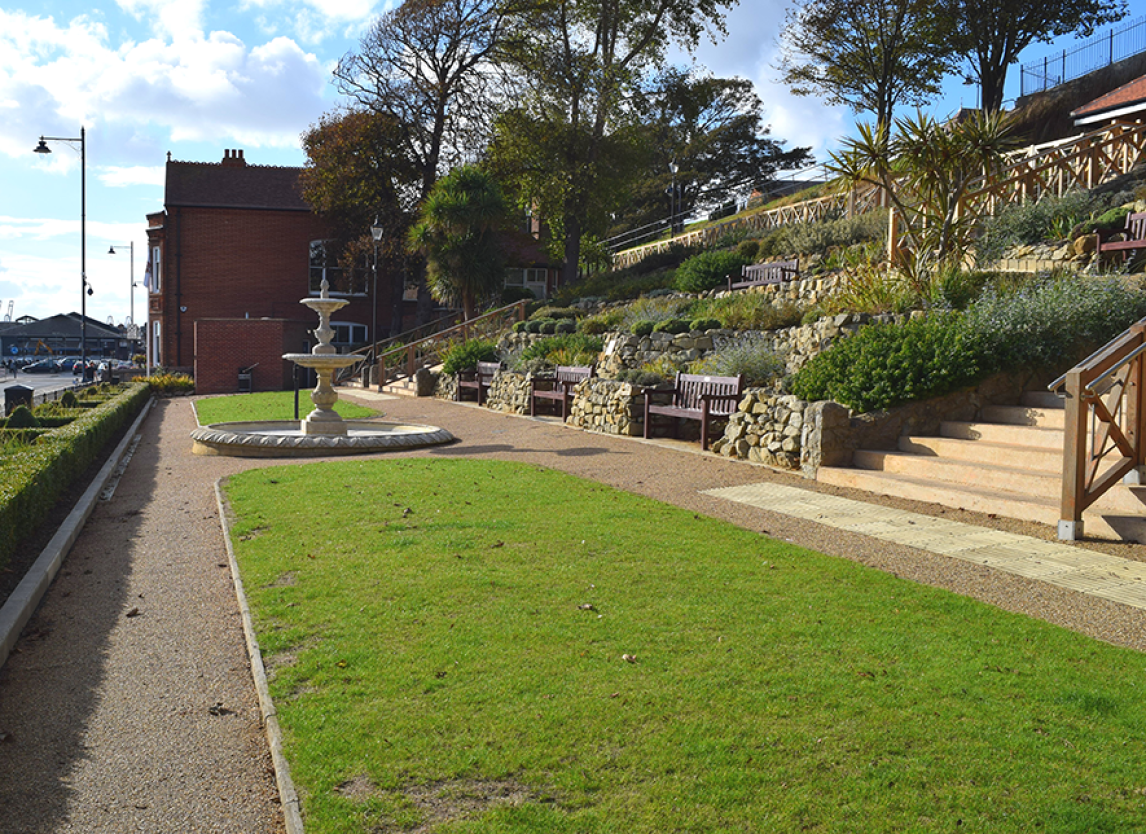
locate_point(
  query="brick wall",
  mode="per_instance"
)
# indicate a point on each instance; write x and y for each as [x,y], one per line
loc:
[222,346]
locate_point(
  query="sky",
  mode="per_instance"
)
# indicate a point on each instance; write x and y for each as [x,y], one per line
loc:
[145,78]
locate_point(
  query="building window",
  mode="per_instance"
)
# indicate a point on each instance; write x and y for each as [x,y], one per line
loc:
[156,268]
[156,346]
[532,279]
[347,334]
[324,265]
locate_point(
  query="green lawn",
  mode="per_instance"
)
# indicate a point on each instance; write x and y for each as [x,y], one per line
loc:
[268,405]
[477,646]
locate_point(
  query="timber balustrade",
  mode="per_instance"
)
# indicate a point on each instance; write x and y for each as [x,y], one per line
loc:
[1103,436]
[1050,169]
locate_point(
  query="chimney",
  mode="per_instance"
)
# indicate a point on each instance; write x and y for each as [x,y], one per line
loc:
[234,158]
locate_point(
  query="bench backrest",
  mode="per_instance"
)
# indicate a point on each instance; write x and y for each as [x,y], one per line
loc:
[1136,226]
[569,375]
[486,370]
[690,387]
[771,273]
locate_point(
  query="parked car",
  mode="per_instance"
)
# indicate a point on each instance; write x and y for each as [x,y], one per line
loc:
[44,366]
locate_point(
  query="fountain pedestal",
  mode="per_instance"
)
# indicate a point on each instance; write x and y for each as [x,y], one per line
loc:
[325,360]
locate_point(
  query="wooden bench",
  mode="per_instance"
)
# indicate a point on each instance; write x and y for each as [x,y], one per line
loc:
[695,397]
[756,275]
[1135,236]
[477,380]
[558,387]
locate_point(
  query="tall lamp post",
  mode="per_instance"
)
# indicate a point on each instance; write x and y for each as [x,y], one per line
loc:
[672,200]
[131,273]
[376,233]
[85,288]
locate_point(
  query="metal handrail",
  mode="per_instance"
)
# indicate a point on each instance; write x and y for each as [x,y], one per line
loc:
[464,328]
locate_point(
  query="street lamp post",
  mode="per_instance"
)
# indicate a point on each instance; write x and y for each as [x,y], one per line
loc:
[85,288]
[131,287]
[673,200]
[376,233]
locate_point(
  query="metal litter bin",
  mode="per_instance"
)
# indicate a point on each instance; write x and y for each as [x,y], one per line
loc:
[245,377]
[15,395]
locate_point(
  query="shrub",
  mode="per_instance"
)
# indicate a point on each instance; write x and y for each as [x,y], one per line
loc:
[565,326]
[708,271]
[602,322]
[534,326]
[752,357]
[818,238]
[464,356]
[886,364]
[672,326]
[68,400]
[1113,220]
[748,249]
[551,312]
[705,324]
[1029,222]
[548,326]
[749,311]
[1052,321]
[642,328]
[566,349]
[22,418]
[165,383]
[511,294]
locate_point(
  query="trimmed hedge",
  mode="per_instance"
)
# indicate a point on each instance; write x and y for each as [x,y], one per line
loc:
[32,480]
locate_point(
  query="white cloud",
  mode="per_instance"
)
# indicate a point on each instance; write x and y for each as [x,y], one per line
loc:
[211,87]
[177,19]
[122,176]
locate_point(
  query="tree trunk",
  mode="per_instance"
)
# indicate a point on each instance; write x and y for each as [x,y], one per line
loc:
[572,250]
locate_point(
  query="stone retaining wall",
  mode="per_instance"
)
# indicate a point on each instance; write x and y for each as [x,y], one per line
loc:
[608,407]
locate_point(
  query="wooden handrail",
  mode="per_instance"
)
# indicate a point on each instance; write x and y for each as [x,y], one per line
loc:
[1103,437]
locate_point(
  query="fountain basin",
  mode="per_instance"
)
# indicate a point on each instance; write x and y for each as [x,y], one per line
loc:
[288,438]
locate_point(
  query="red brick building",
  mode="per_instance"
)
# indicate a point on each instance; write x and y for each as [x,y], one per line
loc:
[236,245]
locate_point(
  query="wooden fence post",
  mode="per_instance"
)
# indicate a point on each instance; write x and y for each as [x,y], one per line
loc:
[1075,442]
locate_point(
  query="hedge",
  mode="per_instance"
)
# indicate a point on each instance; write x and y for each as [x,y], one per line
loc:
[32,480]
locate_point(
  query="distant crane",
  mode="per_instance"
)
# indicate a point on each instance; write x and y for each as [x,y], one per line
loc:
[8,317]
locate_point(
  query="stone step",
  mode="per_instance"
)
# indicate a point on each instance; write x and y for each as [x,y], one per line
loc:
[1043,399]
[1043,482]
[1022,415]
[1002,454]
[1031,436]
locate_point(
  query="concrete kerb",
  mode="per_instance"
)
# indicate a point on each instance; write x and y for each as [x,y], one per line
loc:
[22,602]
[288,796]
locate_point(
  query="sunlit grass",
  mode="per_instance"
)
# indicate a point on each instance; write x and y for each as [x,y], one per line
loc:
[477,646]
[268,405]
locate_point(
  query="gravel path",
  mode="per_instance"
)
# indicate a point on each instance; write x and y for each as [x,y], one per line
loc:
[128,704]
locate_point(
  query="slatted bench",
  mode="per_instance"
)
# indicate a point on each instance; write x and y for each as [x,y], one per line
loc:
[477,380]
[695,397]
[1135,236]
[558,387]
[756,275]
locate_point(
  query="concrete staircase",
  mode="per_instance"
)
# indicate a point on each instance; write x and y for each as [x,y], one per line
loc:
[1009,463]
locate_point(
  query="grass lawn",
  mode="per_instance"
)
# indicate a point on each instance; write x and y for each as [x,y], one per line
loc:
[268,405]
[475,646]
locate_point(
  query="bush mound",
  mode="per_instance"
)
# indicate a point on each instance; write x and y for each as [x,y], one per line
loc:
[708,271]
[464,356]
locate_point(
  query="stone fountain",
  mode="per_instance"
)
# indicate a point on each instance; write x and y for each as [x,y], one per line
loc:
[323,432]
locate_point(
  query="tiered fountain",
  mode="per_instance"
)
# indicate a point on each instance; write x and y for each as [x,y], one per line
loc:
[323,432]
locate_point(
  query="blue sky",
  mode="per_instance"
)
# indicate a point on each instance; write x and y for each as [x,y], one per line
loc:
[194,77]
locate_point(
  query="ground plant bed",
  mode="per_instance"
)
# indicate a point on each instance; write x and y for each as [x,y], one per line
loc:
[441,662]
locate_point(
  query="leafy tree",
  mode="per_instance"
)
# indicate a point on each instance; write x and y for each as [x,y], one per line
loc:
[457,231]
[577,61]
[711,129]
[355,174]
[990,35]
[870,55]
[428,66]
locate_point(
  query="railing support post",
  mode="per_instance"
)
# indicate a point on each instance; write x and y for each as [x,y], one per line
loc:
[1075,441]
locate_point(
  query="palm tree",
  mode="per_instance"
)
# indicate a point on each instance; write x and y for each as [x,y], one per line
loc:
[457,231]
